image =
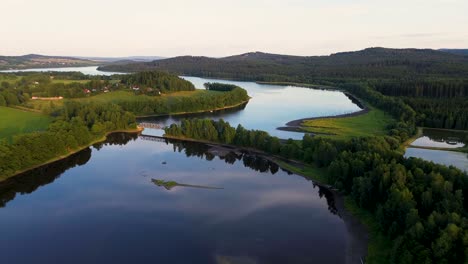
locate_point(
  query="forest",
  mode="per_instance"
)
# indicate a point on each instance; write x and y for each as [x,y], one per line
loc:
[143,106]
[418,205]
[161,81]
[404,73]
[77,126]
[371,63]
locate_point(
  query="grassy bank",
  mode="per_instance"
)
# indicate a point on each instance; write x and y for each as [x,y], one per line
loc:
[16,121]
[372,123]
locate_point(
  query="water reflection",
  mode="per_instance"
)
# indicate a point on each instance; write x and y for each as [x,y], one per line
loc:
[111,210]
[441,138]
[30,181]
[448,158]
[272,106]
[252,161]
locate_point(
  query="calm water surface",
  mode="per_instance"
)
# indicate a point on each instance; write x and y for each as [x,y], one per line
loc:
[441,138]
[89,70]
[456,159]
[103,208]
[272,106]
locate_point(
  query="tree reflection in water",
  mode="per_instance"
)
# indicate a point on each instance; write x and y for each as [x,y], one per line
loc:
[30,181]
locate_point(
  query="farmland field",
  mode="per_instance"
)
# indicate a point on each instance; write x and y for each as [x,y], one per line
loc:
[15,121]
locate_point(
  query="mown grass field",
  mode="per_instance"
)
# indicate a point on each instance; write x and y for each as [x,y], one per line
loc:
[373,123]
[15,121]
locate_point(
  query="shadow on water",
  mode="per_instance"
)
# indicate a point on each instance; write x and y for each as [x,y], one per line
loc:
[30,181]
[448,136]
[217,114]
[254,162]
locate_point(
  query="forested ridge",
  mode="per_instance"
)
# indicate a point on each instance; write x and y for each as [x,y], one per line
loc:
[418,205]
[378,63]
[406,73]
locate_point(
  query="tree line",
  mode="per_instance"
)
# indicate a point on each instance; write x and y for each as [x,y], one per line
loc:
[77,125]
[222,87]
[449,113]
[180,104]
[162,81]
[430,87]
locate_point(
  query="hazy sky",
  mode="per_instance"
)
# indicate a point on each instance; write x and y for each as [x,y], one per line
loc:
[219,28]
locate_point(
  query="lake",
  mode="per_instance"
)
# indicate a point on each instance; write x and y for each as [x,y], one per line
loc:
[271,106]
[441,138]
[101,206]
[89,70]
[456,159]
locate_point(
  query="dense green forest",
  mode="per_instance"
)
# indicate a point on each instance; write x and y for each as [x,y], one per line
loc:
[222,87]
[180,104]
[371,63]
[77,125]
[418,205]
[440,112]
[162,81]
[407,73]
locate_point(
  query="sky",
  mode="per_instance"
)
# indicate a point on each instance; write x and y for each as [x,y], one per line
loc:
[113,28]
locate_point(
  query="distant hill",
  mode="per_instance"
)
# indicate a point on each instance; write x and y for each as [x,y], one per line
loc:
[41,61]
[258,66]
[456,51]
[118,59]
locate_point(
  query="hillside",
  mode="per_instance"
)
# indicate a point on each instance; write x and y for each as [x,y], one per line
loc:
[369,63]
[463,52]
[41,61]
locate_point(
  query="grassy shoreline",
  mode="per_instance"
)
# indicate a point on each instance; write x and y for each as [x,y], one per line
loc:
[80,148]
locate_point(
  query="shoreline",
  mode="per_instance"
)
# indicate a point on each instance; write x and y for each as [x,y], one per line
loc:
[58,158]
[419,133]
[295,125]
[302,85]
[196,112]
[358,240]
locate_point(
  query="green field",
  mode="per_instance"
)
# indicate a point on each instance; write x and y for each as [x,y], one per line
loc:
[373,123]
[128,95]
[15,121]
